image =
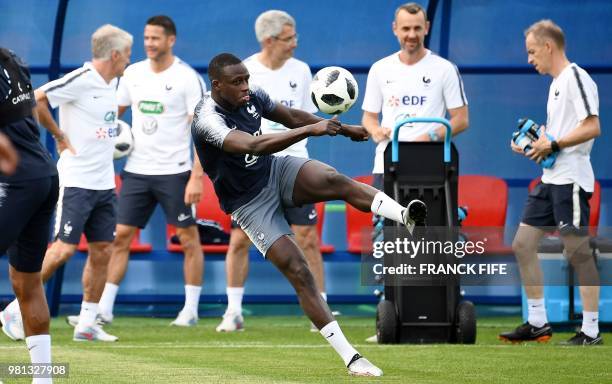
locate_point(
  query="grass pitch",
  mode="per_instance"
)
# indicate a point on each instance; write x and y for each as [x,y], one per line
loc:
[278,349]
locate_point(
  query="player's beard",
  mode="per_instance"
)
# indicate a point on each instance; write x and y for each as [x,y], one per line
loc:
[412,50]
[159,54]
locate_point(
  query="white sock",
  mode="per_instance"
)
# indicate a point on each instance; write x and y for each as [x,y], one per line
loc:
[590,323]
[107,301]
[87,317]
[39,347]
[192,298]
[385,206]
[324,296]
[334,336]
[234,299]
[537,312]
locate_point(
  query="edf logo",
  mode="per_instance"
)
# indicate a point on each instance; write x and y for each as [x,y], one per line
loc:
[414,100]
[288,103]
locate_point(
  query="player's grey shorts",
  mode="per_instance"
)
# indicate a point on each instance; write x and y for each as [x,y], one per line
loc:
[87,211]
[140,194]
[263,218]
[304,215]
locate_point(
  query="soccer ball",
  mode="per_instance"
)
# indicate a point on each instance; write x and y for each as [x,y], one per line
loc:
[124,141]
[333,90]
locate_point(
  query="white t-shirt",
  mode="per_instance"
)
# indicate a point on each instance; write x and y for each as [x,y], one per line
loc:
[427,88]
[288,85]
[87,115]
[572,97]
[161,106]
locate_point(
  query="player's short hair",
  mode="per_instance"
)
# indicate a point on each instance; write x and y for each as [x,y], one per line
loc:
[165,22]
[411,8]
[270,24]
[547,30]
[107,39]
[222,60]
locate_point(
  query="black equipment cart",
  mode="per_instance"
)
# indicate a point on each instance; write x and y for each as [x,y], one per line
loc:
[422,312]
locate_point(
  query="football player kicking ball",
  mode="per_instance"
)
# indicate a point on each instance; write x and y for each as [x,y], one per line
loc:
[255,187]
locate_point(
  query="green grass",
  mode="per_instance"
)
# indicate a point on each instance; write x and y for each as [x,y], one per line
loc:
[282,350]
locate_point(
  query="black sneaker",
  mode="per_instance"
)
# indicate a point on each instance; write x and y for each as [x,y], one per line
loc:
[527,332]
[415,214]
[581,339]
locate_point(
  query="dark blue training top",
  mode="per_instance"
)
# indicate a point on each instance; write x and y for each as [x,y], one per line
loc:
[237,178]
[16,121]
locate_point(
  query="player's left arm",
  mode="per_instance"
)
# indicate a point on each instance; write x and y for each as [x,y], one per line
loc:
[193,94]
[295,118]
[586,130]
[8,156]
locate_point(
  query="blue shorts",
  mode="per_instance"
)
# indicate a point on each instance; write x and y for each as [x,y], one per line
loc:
[563,206]
[26,208]
[87,211]
[263,218]
[140,194]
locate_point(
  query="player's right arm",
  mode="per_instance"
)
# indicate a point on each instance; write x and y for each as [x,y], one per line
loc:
[241,142]
[372,105]
[371,124]
[213,129]
[47,121]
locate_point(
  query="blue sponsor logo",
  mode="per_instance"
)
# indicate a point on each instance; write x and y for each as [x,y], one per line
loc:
[113,131]
[414,100]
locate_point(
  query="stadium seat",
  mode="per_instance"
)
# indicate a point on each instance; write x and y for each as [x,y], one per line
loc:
[207,208]
[135,247]
[357,224]
[486,200]
[325,248]
[594,203]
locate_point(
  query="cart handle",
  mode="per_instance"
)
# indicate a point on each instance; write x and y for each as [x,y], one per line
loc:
[401,123]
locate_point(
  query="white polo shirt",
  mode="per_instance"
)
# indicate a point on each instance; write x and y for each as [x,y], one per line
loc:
[288,85]
[572,97]
[162,104]
[427,88]
[87,115]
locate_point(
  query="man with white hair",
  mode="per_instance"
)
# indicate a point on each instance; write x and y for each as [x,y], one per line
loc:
[88,106]
[287,81]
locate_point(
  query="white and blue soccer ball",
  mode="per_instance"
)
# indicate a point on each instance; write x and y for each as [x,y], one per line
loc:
[124,140]
[334,90]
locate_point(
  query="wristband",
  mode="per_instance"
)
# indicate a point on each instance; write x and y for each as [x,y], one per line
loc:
[433,135]
[554,146]
[59,137]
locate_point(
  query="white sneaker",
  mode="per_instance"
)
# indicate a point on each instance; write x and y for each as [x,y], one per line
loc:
[231,322]
[372,339]
[100,319]
[360,366]
[12,324]
[93,333]
[185,318]
[313,328]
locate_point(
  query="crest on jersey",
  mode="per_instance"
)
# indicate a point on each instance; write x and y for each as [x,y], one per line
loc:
[149,125]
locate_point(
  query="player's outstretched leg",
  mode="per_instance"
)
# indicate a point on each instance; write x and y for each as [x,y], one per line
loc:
[287,257]
[317,182]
